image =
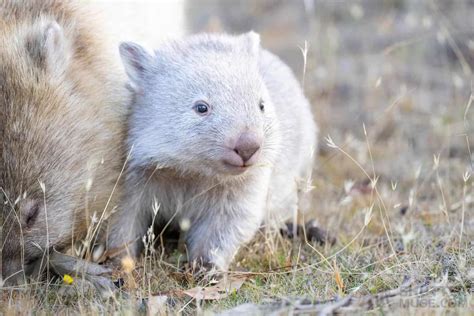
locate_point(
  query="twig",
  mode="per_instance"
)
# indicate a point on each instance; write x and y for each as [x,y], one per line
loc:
[332,307]
[366,302]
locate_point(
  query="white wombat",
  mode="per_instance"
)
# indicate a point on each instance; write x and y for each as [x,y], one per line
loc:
[220,133]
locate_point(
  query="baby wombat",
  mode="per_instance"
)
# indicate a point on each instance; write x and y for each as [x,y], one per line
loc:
[220,132]
[62,111]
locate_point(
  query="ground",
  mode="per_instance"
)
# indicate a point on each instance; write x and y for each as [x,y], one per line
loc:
[391,87]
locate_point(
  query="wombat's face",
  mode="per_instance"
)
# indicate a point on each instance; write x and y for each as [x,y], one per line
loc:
[41,168]
[201,106]
[41,189]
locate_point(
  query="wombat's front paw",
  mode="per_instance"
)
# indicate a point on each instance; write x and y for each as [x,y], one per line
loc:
[204,272]
[317,234]
[82,274]
[113,258]
[288,231]
[312,232]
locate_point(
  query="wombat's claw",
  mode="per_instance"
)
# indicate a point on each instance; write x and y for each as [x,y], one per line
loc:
[205,272]
[105,286]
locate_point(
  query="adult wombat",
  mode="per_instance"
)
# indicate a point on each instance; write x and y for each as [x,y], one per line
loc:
[61,128]
[219,133]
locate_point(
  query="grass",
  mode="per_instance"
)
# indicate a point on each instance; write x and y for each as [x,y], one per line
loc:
[374,253]
[393,182]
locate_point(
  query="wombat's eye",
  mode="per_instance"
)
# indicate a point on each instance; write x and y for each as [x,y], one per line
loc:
[262,105]
[201,107]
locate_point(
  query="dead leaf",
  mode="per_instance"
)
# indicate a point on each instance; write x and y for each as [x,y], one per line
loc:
[221,290]
[432,218]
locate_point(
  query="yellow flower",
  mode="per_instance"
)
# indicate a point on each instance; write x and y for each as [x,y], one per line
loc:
[68,279]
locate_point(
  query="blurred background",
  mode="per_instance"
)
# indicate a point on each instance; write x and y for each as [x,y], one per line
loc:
[401,68]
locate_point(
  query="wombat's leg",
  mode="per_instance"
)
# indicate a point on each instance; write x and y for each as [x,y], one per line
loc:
[214,239]
[283,200]
[129,225]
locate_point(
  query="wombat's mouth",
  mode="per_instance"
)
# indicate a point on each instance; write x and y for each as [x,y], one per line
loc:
[238,161]
[235,169]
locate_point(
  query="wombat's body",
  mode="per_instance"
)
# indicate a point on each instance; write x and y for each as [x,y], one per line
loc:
[220,133]
[62,109]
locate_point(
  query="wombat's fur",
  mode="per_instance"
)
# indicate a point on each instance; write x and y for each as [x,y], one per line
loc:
[62,111]
[188,163]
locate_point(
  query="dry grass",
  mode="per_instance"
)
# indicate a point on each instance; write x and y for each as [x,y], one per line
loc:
[391,84]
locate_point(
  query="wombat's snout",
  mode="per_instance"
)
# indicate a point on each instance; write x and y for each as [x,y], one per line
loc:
[244,152]
[14,272]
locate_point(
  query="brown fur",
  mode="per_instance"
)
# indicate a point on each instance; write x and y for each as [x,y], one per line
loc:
[61,121]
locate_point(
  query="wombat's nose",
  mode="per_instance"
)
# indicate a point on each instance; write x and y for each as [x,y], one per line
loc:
[247,145]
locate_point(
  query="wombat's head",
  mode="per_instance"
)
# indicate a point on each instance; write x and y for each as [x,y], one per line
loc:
[201,106]
[45,145]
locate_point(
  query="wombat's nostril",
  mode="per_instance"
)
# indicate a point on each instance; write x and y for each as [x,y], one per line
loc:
[246,154]
[247,145]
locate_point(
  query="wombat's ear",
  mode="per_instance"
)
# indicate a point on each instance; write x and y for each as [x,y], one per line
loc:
[55,50]
[136,61]
[252,42]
